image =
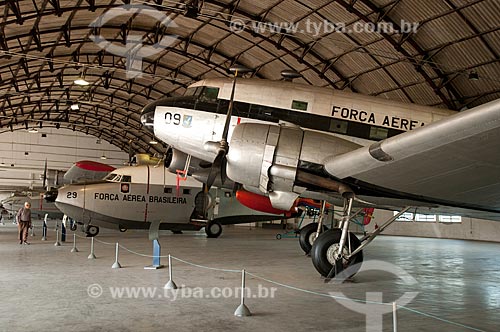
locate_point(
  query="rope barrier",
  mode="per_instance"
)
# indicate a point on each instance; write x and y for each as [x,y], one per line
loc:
[313,292]
[418,312]
[441,319]
[206,267]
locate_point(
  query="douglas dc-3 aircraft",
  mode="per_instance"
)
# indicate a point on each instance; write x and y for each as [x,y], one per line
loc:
[285,140]
[136,196]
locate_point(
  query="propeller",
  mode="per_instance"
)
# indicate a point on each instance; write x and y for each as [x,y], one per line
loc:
[219,164]
[130,153]
[45,175]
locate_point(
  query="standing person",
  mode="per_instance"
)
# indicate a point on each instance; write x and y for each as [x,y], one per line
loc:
[23,218]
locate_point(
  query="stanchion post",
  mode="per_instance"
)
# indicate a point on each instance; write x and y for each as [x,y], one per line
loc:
[242,309]
[170,284]
[63,230]
[91,255]
[116,264]
[44,228]
[32,229]
[394,317]
[57,244]
[74,249]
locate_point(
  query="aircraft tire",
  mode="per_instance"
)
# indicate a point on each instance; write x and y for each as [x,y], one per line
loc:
[92,230]
[122,229]
[73,226]
[213,229]
[323,248]
[306,235]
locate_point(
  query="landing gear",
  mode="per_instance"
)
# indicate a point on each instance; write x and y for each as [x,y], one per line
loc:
[213,229]
[73,226]
[325,253]
[336,250]
[333,253]
[308,235]
[92,230]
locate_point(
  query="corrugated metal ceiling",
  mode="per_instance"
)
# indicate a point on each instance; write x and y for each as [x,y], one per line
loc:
[45,45]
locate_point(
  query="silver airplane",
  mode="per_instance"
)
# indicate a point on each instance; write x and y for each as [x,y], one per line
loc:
[134,197]
[287,140]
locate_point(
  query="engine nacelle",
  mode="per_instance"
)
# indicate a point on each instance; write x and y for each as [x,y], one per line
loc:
[267,157]
[176,160]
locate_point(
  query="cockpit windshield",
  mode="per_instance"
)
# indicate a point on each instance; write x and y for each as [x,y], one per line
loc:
[112,177]
[204,93]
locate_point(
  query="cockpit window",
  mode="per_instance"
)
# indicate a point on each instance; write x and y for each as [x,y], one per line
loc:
[209,94]
[109,176]
[113,177]
[194,91]
[205,93]
[126,178]
[147,119]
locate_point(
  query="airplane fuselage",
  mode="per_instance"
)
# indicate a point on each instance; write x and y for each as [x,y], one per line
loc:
[129,200]
[188,123]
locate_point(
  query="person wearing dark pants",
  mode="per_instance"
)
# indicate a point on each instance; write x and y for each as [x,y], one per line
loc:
[23,218]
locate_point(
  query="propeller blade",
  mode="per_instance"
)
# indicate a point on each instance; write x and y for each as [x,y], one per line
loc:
[223,175]
[45,175]
[229,109]
[216,167]
[130,153]
[219,163]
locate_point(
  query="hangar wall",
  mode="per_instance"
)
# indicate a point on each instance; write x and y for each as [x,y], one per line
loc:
[468,229]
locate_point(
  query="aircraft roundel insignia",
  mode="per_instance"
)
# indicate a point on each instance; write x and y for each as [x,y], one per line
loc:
[125,188]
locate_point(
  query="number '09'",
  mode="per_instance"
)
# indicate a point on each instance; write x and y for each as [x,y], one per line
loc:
[173,118]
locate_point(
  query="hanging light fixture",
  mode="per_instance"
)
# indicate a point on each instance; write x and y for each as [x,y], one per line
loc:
[153,142]
[81,80]
[74,107]
[103,157]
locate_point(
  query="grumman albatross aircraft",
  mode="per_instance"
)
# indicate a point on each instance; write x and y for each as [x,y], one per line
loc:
[42,203]
[287,140]
[133,197]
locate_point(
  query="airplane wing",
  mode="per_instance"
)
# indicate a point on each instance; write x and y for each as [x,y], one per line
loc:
[453,162]
[86,170]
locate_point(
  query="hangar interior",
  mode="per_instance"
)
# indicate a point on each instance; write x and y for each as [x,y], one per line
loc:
[48,122]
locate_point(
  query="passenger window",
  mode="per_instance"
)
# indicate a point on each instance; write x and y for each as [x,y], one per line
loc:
[126,178]
[338,126]
[377,133]
[186,191]
[167,190]
[299,105]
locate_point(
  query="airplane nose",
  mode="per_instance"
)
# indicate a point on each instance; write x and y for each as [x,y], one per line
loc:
[50,195]
[148,117]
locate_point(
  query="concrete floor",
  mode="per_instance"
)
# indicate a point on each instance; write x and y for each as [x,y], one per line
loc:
[45,288]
